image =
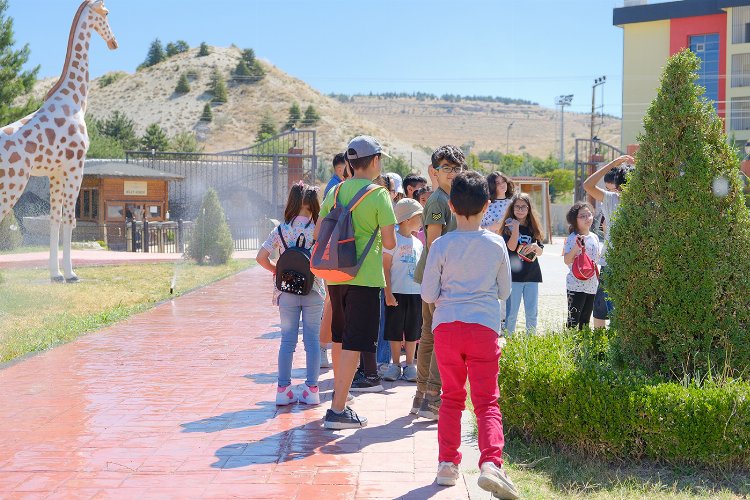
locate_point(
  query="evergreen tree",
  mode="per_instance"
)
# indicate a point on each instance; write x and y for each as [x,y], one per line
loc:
[242,72]
[248,55]
[155,138]
[102,146]
[183,86]
[171,49]
[311,116]
[14,82]
[185,142]
[211,239]
[257,72]
[219,88]
[155,54]
[207,115]
[204,50]
[267,128]
[678,271]
[121,128]
[295,115]
[181,46]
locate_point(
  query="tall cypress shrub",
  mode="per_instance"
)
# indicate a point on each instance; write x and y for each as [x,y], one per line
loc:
[211,239]
[679,266]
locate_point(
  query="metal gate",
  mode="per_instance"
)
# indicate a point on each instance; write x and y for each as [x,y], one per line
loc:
[590,154]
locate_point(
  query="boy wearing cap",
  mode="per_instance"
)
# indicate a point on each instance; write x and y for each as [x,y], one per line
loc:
[437,218]
[355,304]
[403,304]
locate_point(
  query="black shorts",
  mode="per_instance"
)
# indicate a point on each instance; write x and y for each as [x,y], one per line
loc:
[404,321]
[355,319]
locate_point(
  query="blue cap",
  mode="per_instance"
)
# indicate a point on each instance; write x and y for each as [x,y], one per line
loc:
[363,146]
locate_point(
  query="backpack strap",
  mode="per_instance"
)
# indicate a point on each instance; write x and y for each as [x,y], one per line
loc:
[283,241]
[336,195]
[361,195]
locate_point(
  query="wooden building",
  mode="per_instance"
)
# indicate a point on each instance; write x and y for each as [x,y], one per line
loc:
[112,192]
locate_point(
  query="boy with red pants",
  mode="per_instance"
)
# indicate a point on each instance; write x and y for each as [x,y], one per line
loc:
[466,326]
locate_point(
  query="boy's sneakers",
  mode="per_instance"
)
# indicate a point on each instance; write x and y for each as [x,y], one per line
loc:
[324,361]
[392,372]
[416,403]
[348,419]
[447,474]
[430,407]
[363,383]
[494,480]
[309,395]
[410,373]
[285,396]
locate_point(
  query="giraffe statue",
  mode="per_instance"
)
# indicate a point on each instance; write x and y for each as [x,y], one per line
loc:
[53,141]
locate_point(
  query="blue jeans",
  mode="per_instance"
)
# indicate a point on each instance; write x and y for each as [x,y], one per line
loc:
[384,347]
[290,308]
[530,294]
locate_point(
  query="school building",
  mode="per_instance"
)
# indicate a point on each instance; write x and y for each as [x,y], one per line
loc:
[717,31]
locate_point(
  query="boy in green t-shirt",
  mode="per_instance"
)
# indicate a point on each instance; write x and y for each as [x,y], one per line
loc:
[355,303]
[447,162]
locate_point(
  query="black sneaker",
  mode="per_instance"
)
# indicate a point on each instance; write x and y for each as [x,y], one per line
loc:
[346,420]
[366,384]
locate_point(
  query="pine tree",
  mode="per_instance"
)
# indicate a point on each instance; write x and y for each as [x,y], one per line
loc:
[181,46]
[155,138]
[183,86]
[257,72]
[311,116]
[14,82]
[267,128]
[219,88]
[211,238]
[678,267]
[171,49]
[248,55]
[155,54]
[207,115]
[241,73]
[185,142]
[295,115]
[121,128]
[204,50]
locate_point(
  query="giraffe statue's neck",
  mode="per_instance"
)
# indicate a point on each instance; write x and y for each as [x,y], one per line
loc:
[73,84]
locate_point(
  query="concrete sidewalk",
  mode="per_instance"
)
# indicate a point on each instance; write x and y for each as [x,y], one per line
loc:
[178,402]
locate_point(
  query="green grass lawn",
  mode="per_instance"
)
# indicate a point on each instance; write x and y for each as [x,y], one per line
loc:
[28,249]
[36,314]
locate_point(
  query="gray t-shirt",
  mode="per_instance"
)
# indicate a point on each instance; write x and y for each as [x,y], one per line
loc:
[609,205]
[462,290]
[436,211]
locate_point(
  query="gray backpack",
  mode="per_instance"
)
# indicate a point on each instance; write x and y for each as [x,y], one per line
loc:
[334,255]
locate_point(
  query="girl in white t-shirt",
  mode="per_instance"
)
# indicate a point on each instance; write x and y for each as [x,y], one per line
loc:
[501,192]
[300,217]
[580,293]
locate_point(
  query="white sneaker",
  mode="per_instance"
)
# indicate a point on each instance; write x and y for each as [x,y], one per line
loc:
[392,372]
[285,396]
[309,395]
[324,361]
[494,480]
[447,474]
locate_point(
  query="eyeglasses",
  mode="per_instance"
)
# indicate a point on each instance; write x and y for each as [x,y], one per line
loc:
[521,208]
[585,216]
[450,170]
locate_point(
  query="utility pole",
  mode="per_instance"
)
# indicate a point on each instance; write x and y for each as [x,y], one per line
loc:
[597,81]
[562,101]
[507,138]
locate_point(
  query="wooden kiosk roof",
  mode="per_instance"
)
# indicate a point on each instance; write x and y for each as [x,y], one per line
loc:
[127,170]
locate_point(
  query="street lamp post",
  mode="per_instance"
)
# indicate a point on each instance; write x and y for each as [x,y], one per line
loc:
[597,81]
[507,138]
[562,101]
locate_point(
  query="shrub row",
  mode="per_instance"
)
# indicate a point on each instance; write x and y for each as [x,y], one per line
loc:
[564,389]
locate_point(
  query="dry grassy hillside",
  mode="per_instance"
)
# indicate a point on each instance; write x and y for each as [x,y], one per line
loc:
[536,130]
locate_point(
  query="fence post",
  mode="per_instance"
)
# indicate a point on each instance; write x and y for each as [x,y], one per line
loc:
[180,237]
[145,235]
[128,238]
[275,184]
[134,232]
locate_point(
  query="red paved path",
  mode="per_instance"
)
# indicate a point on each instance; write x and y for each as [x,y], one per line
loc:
[178,403]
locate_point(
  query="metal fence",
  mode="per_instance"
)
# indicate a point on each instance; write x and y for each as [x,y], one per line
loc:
[252,183]
[589,156]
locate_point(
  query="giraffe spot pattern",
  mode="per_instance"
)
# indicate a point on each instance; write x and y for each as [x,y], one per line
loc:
[14,157]
[71,129]
[69,154]
[50,135]
[11,172]
[59,122]
[8,130]
[9,144]
[30,147]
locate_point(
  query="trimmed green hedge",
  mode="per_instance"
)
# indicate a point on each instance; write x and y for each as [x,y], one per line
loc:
[562,388]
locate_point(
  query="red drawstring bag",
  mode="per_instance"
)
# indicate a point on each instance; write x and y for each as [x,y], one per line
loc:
[583,267]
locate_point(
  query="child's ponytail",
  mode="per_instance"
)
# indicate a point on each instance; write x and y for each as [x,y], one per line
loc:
[301,195]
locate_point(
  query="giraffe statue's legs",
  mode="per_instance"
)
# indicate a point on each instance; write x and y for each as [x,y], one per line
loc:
[55,217]
[70,198]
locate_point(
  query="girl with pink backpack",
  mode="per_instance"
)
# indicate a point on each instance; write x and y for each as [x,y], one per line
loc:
[581,253]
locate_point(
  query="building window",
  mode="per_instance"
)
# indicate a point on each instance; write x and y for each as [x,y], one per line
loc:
[740,113]
[706,47]
[115,212]
[741,25]
[87,207]
[741,70]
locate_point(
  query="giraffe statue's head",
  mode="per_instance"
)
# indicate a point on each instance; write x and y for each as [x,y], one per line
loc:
[100,23]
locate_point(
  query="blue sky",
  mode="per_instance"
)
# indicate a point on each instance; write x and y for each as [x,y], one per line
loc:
[529,49]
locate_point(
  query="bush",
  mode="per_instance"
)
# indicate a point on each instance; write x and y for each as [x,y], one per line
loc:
[155,138]
[204,50]
[111,77]
[207,115]
[679,276]
[10,232]
[183,86]
[218,88]
[211,238]
[311,116]
[563,389]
